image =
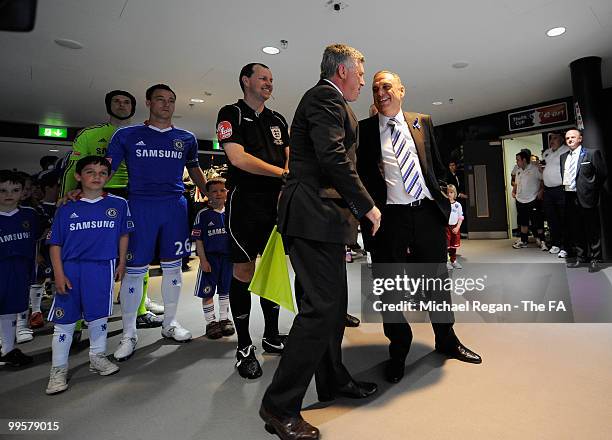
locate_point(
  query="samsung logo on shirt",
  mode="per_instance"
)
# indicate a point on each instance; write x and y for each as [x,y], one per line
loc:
[96,224]
[14,237]
[216,231]
[160,153]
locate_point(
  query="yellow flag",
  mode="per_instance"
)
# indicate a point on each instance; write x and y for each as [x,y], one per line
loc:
[271,279]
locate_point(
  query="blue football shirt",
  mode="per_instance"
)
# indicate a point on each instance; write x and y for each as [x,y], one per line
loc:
[209,226]
[19,231]
[155,159]
[91,229]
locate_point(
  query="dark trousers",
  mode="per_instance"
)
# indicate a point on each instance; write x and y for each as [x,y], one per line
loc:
[413,235]
[554,207]
[583,229]
[314,343]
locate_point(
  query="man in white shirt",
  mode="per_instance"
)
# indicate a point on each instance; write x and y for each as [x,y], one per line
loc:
[527,192]
[554,197]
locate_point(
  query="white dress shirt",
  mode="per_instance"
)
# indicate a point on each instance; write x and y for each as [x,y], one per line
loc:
[571,164]
[396,192]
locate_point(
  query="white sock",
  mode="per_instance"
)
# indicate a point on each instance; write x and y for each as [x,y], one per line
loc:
[36,293]
[224,306]
[97,336]
[130,295]
[22,320]
[8,329]
[209,312]
[171,289]
[60,344]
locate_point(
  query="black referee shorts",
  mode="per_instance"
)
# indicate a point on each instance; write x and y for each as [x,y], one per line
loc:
[250,218]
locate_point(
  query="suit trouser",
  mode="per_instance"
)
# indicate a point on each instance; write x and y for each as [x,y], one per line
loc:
[583,229]
[314,343]
[413,235]
[554,207]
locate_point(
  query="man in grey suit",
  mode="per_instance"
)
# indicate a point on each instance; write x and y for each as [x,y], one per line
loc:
[319,211]
[399,164]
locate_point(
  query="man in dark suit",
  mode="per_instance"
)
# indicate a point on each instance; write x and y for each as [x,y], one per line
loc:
[399,164]
[583,173]
[318,214]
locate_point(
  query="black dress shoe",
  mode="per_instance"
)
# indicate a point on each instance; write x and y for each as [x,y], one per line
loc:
[351,321]
[357,390]
[394,371]
[594,266]
[288,428]
[460,352]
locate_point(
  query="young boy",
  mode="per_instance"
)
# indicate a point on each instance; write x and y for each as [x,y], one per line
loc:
[215,271]
[85,239]
[49,186]
[453,236]
[19,231]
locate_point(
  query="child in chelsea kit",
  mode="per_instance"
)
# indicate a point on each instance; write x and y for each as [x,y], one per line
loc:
[19,231]
[453,236]
[85,239]
[215,271]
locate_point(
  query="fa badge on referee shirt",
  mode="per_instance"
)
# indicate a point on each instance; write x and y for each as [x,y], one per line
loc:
[277,135]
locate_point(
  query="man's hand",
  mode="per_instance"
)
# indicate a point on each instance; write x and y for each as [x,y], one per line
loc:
[62,283]
[462,196]
[374,216]
[119,271]
[205,265]
[71,196]
[455,230]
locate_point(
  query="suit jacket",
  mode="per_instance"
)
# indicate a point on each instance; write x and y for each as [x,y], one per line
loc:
[590,176]
[324,197]
[370,165]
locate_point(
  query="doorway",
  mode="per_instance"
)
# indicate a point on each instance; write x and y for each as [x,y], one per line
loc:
[511,148]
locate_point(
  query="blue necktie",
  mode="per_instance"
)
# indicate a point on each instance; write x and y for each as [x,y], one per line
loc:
[406,160]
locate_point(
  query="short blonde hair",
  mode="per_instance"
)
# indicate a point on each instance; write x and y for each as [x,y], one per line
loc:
[452,188]
[336,54]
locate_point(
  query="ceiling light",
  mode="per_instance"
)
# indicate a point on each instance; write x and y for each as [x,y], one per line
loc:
[70,44]
[555,32]
[270,50]
[198,100]
[437,103]
[53,151]
[460,65]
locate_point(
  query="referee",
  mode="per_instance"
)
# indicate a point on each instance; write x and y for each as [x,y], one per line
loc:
[256,141]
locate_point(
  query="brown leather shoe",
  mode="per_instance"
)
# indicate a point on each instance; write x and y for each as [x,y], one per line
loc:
[288,428]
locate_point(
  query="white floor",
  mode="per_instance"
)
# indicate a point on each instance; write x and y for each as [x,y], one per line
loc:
[540,381]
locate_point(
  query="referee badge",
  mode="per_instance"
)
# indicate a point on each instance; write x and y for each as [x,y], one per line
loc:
[277,135]
[111,212]
[178,145]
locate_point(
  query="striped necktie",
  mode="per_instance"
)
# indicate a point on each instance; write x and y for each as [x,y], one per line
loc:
[406,160]
[569,178]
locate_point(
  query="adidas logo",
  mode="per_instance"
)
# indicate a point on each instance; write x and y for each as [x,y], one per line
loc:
[211,224]
[103,140]
[141,144]
[74,215]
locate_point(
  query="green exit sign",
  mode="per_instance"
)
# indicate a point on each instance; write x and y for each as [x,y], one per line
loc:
[53,132]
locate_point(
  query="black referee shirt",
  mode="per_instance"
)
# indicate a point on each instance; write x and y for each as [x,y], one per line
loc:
[264,135]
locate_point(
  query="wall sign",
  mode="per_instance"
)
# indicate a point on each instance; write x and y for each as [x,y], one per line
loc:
[537,117]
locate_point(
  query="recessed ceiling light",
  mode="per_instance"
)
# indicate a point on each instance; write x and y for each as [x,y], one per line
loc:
[198,100]
[70,44]
[437,103]
[270,50]
[460,65]
[555,32]
[53,151]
